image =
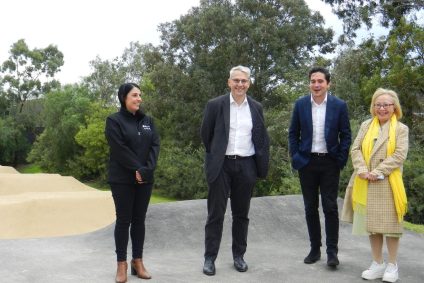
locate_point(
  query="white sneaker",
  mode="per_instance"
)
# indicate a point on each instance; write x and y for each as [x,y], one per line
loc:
[391,274]
[376,270]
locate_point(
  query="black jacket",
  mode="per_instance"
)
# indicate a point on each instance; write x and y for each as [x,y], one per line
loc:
[215,131]
[134,145]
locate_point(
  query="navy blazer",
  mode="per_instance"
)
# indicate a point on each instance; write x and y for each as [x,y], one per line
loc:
[337,131]
[215,132]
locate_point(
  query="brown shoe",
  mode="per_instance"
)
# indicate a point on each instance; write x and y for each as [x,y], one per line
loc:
[121,272]
[137,268]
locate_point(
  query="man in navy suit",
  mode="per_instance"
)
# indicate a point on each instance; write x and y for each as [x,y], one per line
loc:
[237,153]
[319,141]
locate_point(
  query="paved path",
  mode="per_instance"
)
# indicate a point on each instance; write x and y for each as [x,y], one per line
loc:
[277,244]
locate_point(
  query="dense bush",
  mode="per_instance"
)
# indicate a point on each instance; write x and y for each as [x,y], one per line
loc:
[180,173]
[92,162]
[14,144]
[413,176]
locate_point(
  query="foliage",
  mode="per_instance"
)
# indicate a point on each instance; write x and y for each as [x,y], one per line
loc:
[94,157]
[25,76]
[414,227]
[64,112]
[199,49]
[179,172]
[413,176]
[281,179]
[13,142]
[390,13]
[28,73]
[395,62]
[107,75]
[29,169]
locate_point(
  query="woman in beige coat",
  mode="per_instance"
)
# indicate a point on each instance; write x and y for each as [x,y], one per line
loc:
[375,200]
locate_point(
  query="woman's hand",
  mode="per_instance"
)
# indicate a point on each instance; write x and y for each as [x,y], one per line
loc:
[138,177]
[372,177]
[364,175]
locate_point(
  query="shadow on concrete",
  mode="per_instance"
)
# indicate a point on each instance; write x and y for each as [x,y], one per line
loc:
[277,244]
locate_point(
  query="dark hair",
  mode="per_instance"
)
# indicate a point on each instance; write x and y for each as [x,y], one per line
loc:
[320,70]
[123,91]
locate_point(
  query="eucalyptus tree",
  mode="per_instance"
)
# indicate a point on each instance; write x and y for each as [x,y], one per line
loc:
[28,73]
[389,13]
[395,61]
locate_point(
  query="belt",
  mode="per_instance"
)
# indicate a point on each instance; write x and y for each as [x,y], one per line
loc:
[236,157]
[319,154]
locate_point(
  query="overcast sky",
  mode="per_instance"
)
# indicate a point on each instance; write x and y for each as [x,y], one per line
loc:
[84,29]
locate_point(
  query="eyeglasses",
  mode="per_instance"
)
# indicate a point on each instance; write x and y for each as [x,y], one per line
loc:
[237,81]
[385,105]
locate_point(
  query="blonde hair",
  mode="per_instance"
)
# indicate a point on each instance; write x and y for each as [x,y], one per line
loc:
[393,95]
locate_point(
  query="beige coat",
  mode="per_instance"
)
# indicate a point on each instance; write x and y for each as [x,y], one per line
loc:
[381,211]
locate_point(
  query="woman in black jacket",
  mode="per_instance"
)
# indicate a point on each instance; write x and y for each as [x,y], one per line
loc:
[134,150]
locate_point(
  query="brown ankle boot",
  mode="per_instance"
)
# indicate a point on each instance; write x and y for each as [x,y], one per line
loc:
[137,268]
[121,272]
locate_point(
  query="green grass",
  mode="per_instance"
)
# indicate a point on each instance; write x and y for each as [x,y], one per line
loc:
[105,187]
[414,227]
[97,185]
[29,169]
[159,199]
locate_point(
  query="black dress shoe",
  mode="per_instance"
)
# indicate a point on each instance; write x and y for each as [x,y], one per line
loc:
[240,264]
[332,260]
[313,256]
[209,267]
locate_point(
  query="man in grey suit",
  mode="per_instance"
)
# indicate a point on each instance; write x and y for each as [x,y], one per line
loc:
[237,153]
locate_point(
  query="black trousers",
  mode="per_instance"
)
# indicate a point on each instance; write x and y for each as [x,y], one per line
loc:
[131,202]
[236,180]
[321,175]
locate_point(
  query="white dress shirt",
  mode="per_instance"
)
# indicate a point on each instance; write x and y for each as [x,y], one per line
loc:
[240,139]
[318,123]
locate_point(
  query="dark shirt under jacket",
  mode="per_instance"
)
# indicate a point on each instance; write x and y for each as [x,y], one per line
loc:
[134,145]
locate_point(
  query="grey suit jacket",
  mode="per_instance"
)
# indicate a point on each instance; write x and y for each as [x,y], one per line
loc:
[215,132]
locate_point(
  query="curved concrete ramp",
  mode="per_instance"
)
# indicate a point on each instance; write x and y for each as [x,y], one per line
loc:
[277,244]
[49,205]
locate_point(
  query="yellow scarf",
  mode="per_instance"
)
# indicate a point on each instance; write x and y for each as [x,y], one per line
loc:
[360,186]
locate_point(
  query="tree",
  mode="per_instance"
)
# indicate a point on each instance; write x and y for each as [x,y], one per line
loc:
[92,161]
[395,62]
[107,75]
[274,38]
[64,113]
[13,142]
[29,73]
[354,13]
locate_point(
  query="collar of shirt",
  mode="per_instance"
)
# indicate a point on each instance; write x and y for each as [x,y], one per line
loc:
[232,101]
[324,102]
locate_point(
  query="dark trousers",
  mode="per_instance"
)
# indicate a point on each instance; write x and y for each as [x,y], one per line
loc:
[236,180]
[321,175]
[131,202]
